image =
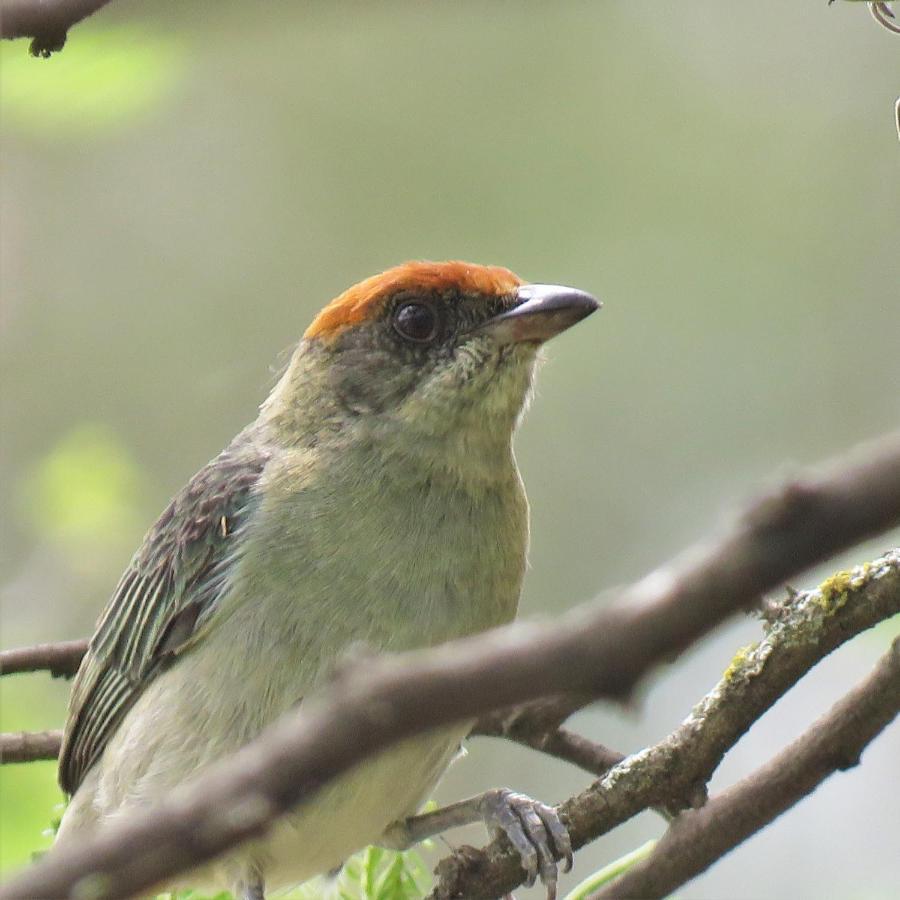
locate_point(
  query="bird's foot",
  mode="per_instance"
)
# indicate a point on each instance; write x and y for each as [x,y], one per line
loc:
[535,831]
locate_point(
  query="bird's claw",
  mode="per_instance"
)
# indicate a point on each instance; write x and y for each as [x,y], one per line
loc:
[535,831]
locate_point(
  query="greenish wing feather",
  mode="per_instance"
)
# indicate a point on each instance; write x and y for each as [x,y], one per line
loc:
[168,591]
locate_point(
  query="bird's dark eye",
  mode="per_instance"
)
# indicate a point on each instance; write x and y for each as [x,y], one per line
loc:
[416,322]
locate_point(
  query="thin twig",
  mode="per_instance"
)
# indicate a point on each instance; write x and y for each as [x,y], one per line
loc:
[562,744]
[603,651]
[61,660]
[536,725]
[578,750]
[835,742]
[29,746]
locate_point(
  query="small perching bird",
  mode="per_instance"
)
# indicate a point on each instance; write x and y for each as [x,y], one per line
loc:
[375,500]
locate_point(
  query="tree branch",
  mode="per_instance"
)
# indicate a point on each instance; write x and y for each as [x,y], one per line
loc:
[836,741]
[576,749]
[35,746]
[801,630]
[29,746]
[533,725]
[547,738]
[601,651]
[46,21]
[61,660]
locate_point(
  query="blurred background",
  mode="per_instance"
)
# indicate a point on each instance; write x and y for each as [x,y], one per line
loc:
[186,184]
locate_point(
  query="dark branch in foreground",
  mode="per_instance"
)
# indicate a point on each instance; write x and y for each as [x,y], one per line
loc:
[33,746]
[800,630]
[836,741]
[29,746]
[597,651]
[46,21]
[532,725]
[60,660]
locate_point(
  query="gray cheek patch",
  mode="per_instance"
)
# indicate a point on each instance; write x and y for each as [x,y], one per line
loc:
[367,381]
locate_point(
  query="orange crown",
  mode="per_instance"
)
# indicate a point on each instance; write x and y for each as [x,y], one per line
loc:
[363,301]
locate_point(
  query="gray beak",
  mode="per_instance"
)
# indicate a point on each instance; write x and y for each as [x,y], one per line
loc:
[541,312]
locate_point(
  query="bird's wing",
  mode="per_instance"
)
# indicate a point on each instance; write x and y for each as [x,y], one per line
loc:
[167,593]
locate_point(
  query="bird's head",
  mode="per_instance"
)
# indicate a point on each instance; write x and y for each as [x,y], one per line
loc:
[429,352]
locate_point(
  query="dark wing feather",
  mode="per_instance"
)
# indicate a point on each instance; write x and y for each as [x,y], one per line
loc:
[169,589]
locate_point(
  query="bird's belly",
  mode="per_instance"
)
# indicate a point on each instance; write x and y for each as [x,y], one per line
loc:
[355,810]
[174,732]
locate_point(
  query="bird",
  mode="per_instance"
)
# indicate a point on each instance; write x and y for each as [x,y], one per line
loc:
[376,502]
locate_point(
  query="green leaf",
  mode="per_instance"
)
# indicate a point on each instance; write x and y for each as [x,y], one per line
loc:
[390,883]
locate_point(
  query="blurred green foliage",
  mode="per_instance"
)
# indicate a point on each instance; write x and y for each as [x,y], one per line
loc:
[82,501]
[29,794]
[103,79]
[84,493]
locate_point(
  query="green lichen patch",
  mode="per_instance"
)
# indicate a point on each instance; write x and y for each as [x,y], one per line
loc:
[739,661]
[834,592]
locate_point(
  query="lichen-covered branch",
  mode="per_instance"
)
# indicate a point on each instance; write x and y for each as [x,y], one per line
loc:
[798,632]
[835,742]
[29,746]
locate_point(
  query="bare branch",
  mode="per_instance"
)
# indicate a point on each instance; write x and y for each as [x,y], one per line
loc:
[46,21]
[29,746]
[524,721]
[527,726]
[61,660]
[700,837]
[578,750]
[800,631]
[531,731]
[570,747]
[532,725]
[599,650]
